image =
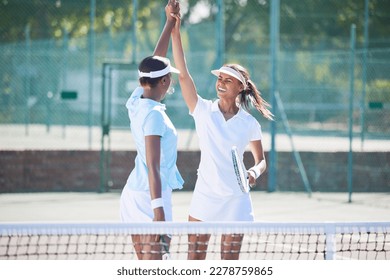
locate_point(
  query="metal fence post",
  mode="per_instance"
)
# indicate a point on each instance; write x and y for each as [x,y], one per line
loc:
[220,32]
[27,80]
[274,47]
[134,35]
[364,74]
[91,70]
[351,94]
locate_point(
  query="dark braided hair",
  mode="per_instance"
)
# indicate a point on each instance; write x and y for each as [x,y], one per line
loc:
[251,95]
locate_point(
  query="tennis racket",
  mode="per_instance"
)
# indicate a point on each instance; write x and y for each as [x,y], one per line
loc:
[240,171]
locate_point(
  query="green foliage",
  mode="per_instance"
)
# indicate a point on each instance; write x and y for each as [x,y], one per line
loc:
[45,47]
[302,23]
[378,91]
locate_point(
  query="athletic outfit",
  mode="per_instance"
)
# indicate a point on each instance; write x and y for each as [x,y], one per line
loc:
[217,196]
[148,117]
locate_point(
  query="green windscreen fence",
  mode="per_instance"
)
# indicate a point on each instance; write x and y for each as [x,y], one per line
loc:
[52,54]
[51,47]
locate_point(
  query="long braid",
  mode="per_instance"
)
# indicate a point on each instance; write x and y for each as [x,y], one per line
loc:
[251,95]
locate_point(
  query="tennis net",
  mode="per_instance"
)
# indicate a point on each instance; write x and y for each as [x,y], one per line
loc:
[263,241]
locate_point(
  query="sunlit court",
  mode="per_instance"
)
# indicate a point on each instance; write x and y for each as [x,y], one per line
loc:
[275,114]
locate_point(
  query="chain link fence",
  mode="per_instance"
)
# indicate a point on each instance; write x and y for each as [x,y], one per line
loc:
[49,48]
[52,54]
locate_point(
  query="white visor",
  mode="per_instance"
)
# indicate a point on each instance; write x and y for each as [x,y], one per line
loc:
[160,73]
[231,72]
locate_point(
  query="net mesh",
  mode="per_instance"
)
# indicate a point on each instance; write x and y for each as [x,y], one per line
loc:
[263,241]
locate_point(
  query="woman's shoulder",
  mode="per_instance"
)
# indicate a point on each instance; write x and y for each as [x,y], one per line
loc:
[247,116]
[202,105]
[205,100]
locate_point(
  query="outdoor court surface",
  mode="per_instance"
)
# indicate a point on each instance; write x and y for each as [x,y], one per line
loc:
[277,206]
[86,207]
[270,207]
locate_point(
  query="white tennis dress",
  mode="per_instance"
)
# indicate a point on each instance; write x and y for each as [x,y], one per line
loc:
[217,196]
[148,117]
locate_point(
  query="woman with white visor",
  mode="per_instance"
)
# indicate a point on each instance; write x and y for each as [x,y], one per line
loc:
[221,124]
[146,197]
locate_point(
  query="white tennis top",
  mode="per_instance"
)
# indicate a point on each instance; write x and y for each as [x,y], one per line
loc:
[216,175]
[148,117]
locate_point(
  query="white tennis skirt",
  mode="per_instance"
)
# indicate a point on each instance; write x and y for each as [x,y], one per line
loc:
[135,206]
[208,208]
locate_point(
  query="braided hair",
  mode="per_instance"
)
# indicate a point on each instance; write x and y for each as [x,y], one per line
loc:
[251,95]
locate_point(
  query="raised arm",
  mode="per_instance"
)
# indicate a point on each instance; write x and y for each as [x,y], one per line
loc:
[171,9]
[187,85]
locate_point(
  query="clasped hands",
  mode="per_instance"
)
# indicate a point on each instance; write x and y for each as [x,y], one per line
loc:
[172,10]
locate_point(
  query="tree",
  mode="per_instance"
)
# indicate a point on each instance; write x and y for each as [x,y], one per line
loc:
[303,23]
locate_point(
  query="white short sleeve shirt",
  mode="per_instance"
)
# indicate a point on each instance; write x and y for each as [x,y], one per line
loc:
[216,137]
[148,117]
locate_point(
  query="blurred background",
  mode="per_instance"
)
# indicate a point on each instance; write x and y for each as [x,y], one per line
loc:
[67,68]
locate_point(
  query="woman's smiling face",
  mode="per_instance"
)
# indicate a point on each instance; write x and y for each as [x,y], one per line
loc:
[228,86]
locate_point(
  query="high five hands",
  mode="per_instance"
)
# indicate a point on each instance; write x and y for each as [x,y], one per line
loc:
[172,10]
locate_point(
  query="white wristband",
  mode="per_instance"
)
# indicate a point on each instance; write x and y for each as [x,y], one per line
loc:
[253,173]
[256,170]
[157,202]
